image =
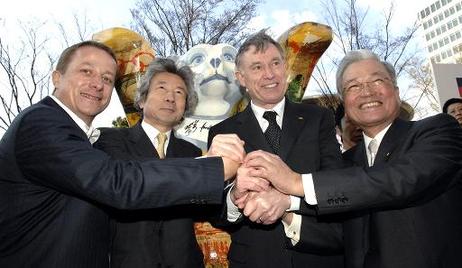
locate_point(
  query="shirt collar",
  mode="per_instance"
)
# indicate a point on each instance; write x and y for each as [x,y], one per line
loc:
[91,132]
[152,132]
[258,112]
[378,137]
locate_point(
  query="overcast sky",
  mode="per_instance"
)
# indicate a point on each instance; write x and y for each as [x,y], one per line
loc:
[276,14]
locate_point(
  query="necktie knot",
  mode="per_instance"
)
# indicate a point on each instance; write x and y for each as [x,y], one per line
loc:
[270,116]
[161,138]
[372,147]
[273,132]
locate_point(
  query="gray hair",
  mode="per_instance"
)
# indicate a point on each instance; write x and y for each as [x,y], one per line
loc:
[359,55]
[260,41]
[160,65]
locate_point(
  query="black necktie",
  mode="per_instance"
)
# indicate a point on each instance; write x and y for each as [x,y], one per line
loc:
[273,132]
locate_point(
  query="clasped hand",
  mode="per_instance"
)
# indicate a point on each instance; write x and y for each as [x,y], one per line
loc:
[262,185]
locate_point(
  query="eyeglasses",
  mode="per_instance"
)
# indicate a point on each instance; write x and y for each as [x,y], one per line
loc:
[357,87]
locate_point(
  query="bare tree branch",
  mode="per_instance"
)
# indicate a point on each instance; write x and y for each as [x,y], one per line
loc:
[174,26]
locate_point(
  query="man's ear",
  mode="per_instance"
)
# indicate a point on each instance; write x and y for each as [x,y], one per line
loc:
[240,78]
[55,77]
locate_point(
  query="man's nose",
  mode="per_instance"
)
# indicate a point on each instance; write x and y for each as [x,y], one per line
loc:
[170,96]
[97,82]
[268,72]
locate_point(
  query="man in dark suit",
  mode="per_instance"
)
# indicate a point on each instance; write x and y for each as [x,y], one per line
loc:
[453,107]
[54,184]
[163,237]
[402,198]
[305,140]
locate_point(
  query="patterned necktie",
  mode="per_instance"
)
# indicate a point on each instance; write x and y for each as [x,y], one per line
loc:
[372,147]
[273,132]
[161,138]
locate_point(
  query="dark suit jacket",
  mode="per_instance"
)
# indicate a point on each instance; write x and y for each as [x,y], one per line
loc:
[53,182]
[151,238]
[407,207]
[307,144]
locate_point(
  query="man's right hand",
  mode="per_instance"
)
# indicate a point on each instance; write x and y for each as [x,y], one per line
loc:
[231,149]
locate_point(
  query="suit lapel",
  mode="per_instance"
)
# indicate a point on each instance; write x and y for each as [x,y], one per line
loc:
[249,130]
[140,142]
[392,139]
[293,122]
[172,150]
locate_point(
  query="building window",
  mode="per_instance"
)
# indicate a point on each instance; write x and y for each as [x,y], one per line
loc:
[440,17]
[444,55]
[452,37]
[451,10]
[438,5]
[441,43]
[458,35]
[449,53]
[460,19]
[449,25]
[446,13]
[458,7]
[443,2]
[430,49]
[443,28]
[454,22]
[438,31]
[438,58]
[422,14]
[435,46]
[432,34]
[433,8]
[430,23]
[425,25]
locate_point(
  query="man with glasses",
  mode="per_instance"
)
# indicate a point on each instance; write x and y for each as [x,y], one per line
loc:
[402,198]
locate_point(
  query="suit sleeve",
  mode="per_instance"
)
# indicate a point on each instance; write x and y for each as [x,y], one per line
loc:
[51,151]
[425,165]
[329,153]
[322,234]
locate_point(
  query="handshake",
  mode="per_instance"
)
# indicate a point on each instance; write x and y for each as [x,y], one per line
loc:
[263,182]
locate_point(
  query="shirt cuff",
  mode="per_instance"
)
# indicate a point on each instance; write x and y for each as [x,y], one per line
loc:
[293,230]
[308,188]
[233,213]
[294,203]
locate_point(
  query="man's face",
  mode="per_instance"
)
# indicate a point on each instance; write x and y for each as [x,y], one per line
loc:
[166,100]
[86,86]
[455,110]
[264,75]
[375,102]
